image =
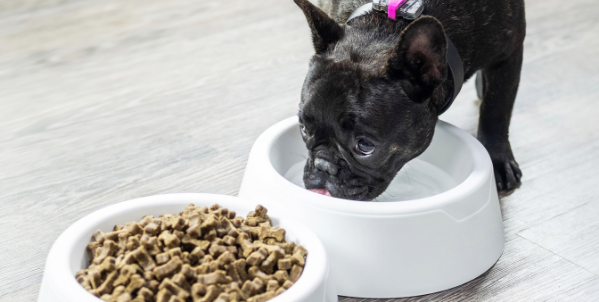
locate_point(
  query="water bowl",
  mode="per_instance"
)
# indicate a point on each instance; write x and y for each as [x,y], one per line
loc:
[437,226]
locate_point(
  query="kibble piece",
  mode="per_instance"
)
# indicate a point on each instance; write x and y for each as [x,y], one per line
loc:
[255,258]
[150,244]
[139,299]
[217,277]
[198,291]
[262,297]
[216,250]
[188,241]
[145,294]
[232,272]
[272,285]
[272,232]
[194,226]
[181,281]
[108,265]
[136,282]
[203,268]
[108,249]
[175,299]
[163,258]
[148,275]
[285,263]
[280,291]
[229,240]
[296,271]
[144,259]
[268,265]
[122,242]
[177,223]
[255,272]
[163,295]
[245,242]
[188,272]
[132,243]
[235,292]
[250,288]
[211,294]
[258,216]
[153,227]
[209,224]
[223,297]
[153,285]
[281,276]
[124,260]
[169,240]
[195,255]
[168,269]
[226,258]
[287,284]
[133,228]
[239,266]
[112,236]
[106,286]
[299,253]
[116,293]
[126,297]
[173,288]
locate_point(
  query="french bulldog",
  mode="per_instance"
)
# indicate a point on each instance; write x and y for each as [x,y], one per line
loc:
[375,86]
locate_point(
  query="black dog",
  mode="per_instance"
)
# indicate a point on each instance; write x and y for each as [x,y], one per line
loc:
[374,89]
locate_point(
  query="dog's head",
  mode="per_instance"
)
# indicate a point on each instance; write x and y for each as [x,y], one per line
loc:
[369,101]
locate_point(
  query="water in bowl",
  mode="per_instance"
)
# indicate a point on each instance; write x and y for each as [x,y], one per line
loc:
[417,179]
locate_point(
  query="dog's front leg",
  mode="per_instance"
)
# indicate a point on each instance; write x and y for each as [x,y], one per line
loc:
[500,85]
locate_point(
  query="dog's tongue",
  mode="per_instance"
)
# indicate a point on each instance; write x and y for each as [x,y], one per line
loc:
[321,191]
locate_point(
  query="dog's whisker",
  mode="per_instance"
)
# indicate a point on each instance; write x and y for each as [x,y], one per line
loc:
[302,156]
[384,192]
[408,174]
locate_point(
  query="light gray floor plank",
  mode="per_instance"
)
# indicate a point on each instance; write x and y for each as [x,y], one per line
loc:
[572,235]
[103,101]
[521,274]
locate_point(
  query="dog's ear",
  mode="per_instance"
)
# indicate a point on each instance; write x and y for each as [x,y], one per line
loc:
[419,60]
[325,31]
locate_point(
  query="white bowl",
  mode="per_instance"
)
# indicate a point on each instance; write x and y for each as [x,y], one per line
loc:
[68,255]
[398,248]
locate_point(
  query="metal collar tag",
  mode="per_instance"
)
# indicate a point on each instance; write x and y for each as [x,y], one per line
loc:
[406,9]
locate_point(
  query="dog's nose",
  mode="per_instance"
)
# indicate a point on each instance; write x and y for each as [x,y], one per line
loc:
[326,166]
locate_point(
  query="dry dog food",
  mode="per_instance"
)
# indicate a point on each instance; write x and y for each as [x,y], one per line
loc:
[200,255]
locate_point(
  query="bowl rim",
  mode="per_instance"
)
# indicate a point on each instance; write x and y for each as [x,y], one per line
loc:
[482,169]
[62,283]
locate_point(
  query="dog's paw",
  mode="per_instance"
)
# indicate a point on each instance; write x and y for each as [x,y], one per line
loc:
[507,171]
[507,175]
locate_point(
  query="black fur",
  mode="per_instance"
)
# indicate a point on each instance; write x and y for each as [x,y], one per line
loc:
[384,81]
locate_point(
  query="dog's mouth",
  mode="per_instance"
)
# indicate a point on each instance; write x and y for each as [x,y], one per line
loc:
[324,192]
[343,183]
[360,193]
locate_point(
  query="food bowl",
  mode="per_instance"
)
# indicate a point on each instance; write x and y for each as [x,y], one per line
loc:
[68,255]
[412,242]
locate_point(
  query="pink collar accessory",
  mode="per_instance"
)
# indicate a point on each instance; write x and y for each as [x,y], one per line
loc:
[392,8]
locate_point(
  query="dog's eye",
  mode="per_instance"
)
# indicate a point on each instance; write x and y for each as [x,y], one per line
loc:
[364,147]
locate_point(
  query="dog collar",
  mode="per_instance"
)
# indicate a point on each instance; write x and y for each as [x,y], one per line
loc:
[410,10]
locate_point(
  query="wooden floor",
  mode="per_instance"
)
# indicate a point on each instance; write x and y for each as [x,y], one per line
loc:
[103,101]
